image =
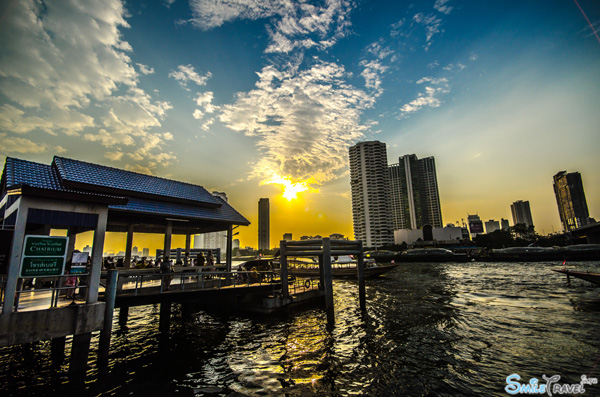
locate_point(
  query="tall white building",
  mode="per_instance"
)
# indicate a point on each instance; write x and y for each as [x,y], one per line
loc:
[369,181]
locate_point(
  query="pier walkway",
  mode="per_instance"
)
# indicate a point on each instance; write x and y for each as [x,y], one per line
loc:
[137,287]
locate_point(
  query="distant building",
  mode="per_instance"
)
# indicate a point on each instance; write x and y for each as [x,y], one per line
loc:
[475,225]
[264,236]
[440,234]
[214,239]
[570,198]
[414,194]
[287,236]
[337,236]
[369,182]
[521,213]
[235,244]
[146,252]
[504,224]
[135,251]
[491,226]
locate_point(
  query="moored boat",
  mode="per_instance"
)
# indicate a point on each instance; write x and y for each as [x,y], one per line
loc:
[587,276]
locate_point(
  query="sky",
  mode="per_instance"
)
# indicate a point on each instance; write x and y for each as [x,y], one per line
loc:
[263,98]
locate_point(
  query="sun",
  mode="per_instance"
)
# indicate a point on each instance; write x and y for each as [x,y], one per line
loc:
[290,189]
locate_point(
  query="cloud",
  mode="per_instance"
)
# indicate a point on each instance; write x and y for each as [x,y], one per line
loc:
[21,145]
[66,69]
[145,69]
[186,73]
[429,97]
[372,74]
[441,6]
[303,121]
[431,23]
[293,25]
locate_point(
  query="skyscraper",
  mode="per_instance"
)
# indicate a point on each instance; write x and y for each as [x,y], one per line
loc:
[264,237]
[369,182]
[570,198]
[521,213]
[414,194]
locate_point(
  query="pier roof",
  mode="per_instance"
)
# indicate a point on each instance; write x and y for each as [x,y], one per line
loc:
[131,197]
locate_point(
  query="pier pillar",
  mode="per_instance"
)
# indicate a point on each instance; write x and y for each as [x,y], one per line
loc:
[328,278]
[360,266]
[187,261]
[123,314]
[285,290]
[110,296]
[57,350]
[80,350]
[164,322]
[128,246]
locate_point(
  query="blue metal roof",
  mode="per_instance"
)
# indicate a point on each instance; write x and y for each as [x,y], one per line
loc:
[78,173]
[225,212]
[22,172]
[148,194]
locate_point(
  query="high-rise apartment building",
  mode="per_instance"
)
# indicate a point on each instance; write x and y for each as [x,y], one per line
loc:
[570,198]
[521,213]
[504,224]
[414,194]
[264,236]
[369,181]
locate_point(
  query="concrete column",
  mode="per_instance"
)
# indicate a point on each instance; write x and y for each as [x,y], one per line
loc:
[164,321]
[285,290]
[167,247]
[128,247]
[123,314]
[186,258]
[328,278]
[97,251]
[79,355]
[229,253]
[15,255]
[110,296]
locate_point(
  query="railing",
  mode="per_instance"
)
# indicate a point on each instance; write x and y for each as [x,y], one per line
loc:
[193,279]
[136,282]
[43,297]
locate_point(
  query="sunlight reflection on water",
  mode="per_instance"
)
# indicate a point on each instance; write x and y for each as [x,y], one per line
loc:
[429,329]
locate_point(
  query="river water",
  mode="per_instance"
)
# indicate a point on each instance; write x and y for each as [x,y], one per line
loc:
[447,329]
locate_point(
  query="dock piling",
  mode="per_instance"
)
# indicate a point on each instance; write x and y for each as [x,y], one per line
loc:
[110,295]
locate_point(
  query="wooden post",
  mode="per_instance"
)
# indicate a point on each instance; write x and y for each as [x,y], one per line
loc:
[327,275]
[110,295]
[360,265]
[285,290]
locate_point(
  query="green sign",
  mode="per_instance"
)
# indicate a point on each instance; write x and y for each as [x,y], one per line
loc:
[44,256]
[42,266]
[45,246]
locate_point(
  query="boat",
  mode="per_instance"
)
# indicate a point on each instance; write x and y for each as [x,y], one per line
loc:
[431,255]
[587,276]
[342,271]
[341,267]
